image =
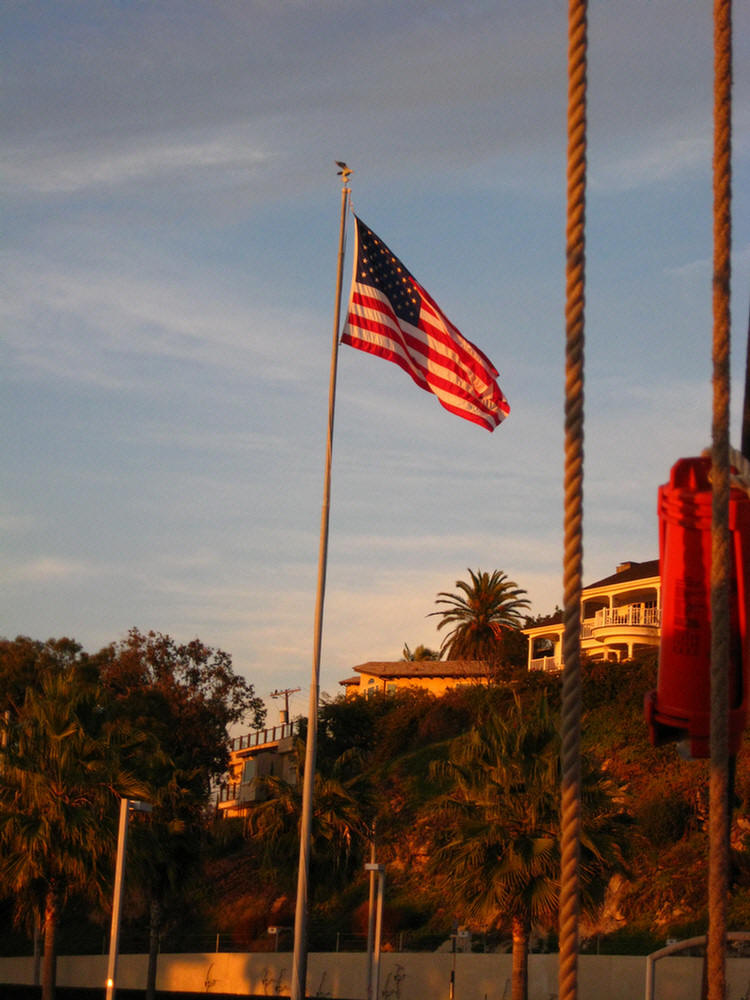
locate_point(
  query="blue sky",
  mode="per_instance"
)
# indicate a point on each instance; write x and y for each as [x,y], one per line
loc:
[171,212]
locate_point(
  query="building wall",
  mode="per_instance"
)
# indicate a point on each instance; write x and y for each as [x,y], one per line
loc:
[403,975]
[388,685]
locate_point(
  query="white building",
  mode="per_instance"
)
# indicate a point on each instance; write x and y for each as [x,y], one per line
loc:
[619,615]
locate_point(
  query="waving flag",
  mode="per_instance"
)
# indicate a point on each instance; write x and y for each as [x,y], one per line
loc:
[391,315]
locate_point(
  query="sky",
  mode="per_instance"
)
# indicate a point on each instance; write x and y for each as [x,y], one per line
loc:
[170,238]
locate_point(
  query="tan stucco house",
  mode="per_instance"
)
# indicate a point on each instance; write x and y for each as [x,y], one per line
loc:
[435,676]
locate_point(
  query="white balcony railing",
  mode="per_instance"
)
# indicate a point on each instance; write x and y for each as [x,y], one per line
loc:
[629,614]
[544,663]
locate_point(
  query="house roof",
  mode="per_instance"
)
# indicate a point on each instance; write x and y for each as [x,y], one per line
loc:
[423,668]
[628,572]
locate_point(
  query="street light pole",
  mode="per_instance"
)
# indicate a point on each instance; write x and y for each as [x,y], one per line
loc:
[126,807]
[373,978]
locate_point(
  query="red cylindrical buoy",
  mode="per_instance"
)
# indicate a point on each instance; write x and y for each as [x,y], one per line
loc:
[680,707]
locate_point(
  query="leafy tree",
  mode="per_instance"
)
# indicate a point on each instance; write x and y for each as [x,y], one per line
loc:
[419,653]
[185,696]
[21,666]
[542,619]
[476,617]
[348,730]
[496,853]
[61,762]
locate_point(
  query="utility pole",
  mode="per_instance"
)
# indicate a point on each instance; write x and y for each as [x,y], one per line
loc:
[285,695]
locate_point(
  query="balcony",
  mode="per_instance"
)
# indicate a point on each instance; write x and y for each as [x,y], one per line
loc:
[545,664]
[629,614]
[262,737]
[237,794]
[622,629]
[227,793]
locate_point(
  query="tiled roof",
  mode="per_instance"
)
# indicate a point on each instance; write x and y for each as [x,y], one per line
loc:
[635,571]
[425,668]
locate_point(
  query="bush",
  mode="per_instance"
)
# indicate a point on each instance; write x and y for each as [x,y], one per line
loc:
[664,819]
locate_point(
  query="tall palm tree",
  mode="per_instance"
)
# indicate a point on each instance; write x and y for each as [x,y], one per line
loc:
[486,604]
[497,852]
[61,775]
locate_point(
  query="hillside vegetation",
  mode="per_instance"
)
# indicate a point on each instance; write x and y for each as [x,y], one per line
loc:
[382,752]
[384,763]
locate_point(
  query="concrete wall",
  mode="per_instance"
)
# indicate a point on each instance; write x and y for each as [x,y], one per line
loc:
[403,976]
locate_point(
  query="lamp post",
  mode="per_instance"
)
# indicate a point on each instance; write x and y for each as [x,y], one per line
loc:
[126,807]
[373,972]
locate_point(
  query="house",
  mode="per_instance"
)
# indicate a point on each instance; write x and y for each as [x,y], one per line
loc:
[435,676]
[256,755]
[619,615]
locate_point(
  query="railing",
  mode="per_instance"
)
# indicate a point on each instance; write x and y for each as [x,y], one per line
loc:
[630,614]
[262,737]
[228,792]
[544,663]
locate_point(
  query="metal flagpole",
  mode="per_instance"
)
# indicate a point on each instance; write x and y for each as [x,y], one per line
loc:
[299,966]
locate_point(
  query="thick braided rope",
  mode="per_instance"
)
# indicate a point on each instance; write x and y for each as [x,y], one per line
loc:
[573,521]
[718,877]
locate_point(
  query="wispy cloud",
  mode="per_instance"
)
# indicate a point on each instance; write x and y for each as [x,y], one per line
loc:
[626,167]
[49,168]
[104,317]
[50,569]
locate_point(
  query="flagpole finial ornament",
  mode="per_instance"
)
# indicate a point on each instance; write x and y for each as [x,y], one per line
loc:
[344,172]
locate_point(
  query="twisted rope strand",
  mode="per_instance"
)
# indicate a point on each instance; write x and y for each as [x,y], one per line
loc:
[718,878]
[573,488]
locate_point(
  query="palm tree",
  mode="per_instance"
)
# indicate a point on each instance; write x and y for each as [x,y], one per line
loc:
[61,772]
[165,850]
[489,603]
[339,831]
[497,851]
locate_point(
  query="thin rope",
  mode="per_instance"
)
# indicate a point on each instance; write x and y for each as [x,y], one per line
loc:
[573,520]
[718,877]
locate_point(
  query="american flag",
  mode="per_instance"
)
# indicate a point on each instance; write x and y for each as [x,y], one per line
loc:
[391,315]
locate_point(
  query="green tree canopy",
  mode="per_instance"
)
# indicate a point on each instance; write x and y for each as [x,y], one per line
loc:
[185,696]
[62,767]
